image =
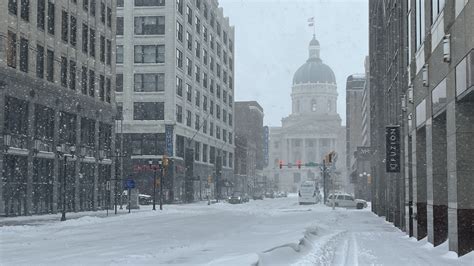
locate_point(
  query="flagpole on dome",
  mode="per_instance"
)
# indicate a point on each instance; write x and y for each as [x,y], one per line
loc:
[311,24]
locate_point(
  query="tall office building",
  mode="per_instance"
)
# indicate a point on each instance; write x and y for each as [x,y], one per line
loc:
[175,94]
[422,82]
[56,105]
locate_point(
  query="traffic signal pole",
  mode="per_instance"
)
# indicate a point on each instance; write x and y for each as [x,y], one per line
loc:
[324,181]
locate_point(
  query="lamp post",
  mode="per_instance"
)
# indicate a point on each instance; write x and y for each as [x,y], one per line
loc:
[150,162]
[60,151]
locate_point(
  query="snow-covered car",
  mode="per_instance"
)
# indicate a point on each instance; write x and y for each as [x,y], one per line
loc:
[237,198]
[345,200]
[269,194]
[144,199]
[308,193]
[258,195]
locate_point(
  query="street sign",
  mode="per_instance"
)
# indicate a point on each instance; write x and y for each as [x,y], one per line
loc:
[130,183]
[311,164]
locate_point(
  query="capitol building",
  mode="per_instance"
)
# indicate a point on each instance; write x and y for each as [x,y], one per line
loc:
[312,130]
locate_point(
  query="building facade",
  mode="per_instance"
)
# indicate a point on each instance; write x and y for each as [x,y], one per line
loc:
[57,71]
[433,106]
[249,146]
[312,130]
[175,70]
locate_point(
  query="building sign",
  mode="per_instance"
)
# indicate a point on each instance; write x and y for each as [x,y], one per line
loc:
[392,146]
[363,153]
[265,145]
[169,139]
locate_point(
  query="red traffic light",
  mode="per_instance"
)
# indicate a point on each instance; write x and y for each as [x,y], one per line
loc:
[298,163]
[281,164]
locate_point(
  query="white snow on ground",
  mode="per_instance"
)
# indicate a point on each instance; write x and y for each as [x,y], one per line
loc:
[268,232]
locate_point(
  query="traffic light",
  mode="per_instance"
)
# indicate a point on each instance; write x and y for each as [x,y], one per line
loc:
[298,163]
[165,161]
[281,164]
[209,179]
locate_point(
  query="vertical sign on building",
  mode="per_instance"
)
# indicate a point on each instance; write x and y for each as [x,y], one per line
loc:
[169,139]
[392,146]
[265,145]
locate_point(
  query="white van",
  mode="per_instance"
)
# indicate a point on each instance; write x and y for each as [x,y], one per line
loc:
[308,194]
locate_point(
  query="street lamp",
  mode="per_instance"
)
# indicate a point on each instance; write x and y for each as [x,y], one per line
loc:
[150,162]
[61,151]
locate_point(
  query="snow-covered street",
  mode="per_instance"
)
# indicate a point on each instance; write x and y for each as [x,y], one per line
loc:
[267,232]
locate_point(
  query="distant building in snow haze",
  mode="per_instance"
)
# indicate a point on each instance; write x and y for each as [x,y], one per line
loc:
[57,74]
[311,131]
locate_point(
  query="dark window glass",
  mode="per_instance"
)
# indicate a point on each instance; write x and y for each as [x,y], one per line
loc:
[102,49]
[150,25]
[73,31]
[13,7]
[85,5]
[149,82]
[119,54]
[91,83]
[85,38]
[41,9]
[64,72]
[109,17]
[149,2]
[92,43]
[72,75]
[102,12]
[108,90]
[102,87]
[50,18]
[64,26]
[25,10]
[24,55]
[44,122]
[50,66]
[84,80]
[39,61]
[11,50]
[120,3]
[109,52]
[149,54]
[16,116]
[119,83]
[148,110]
[179,5]
[179,114]
[179,86]
[119,26]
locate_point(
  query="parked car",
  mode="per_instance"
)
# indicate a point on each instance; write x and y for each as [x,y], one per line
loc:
[144,199]
[258,195]
[282,194]
[308,193]
[269,194]
[345,200]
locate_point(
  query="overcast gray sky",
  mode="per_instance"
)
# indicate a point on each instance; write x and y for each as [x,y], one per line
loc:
[271,42]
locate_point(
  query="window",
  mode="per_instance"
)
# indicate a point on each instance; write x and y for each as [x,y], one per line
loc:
[73,31]
[102,87]
[25,10]
[204,80]
[231,158]
[13,7]
[108,90]
[188,118]
[102,49]
[204,126]
[198,25]
[224,116]
[179,114]
[84,80]
[109,52]
[211,129]
[218,92]
[218,70]
[224,135]
[189,66]
[189,40]
[24,55]
[64,71]
[198,98]
[224,96]
[197,74]
[211,86]
[39,61]
[91,83]
[218,29]
[50,17]
[224,158]
[109,17]
[119,55]
[179,58]
[204,103]
[204,152]
[179,31]
[230,119]
[92,43]
[231,46]
[224,37]
[179,5]
[218,111]
[436,6]
[189,14]
[218,50]
[198,49]
[197,151]
[85,32]
[204,33]
[64,26]
[148,111]
[149,53]
[179,86]
[230,138]
[85,5]
[119,26]
[420,22]
[40,9]
[149,82]
[211,65]
[230,100]
[149,2]
[50,66]
[102,12]
[218,132]
[196,123]
[189,92]
[205,55]
[211,108]
[119,83]
[120,3]
[150,25]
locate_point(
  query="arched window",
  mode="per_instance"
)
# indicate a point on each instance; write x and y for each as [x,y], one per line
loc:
[313,105]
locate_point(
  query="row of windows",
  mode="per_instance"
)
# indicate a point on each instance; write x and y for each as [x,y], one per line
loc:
[145,54]
[144,111]
[143,3]
[202,154]
[202,124]
[143,82]
[209,16]
[149,25]
[43,17]
[226,97]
